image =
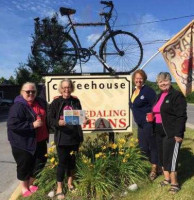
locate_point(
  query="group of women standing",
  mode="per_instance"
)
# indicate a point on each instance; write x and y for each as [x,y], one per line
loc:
[160,139]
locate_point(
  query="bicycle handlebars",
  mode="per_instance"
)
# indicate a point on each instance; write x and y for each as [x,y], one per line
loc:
[108,3]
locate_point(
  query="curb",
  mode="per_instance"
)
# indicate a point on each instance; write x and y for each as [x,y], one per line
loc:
[16,193]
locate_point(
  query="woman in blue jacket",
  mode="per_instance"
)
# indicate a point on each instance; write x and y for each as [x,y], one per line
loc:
[28,135]
[141,103]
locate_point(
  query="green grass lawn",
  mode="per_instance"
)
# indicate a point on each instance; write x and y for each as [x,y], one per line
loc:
[153,191]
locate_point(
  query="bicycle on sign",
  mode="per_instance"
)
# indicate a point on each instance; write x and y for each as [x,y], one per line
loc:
[119,51]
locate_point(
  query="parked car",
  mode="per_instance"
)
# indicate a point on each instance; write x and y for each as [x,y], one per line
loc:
[3,101]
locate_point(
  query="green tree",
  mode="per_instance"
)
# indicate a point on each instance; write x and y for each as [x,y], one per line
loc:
[2,80]
[12,80]
[48,47]
[23,74]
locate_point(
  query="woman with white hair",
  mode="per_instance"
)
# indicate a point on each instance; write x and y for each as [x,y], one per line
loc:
[28,135]
[170,118]
[67,137]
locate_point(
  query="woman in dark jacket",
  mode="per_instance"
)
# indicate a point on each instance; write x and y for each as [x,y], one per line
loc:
[67,137]
[28,133]
[141,103]
[170,119]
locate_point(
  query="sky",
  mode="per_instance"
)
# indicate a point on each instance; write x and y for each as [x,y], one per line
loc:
[17,27]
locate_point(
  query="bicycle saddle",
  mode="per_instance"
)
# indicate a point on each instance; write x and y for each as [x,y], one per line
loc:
[67,11]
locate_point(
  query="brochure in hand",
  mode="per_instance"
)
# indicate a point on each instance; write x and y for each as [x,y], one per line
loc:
[74,117]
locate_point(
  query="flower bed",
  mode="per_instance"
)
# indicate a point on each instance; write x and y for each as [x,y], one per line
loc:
[103,169]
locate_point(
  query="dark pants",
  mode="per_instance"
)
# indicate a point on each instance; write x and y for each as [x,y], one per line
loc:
[66,160]
[168,149]
[29,165]
[147,142]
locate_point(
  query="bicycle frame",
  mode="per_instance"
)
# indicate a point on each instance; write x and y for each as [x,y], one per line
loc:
[73,25]
[108,31]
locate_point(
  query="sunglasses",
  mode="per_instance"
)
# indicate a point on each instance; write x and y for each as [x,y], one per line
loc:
[30,91]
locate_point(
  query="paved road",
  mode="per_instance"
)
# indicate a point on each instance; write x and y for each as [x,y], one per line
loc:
[8,181]
[190,113]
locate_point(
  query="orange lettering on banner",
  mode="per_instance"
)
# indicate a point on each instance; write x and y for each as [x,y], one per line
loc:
[178,54]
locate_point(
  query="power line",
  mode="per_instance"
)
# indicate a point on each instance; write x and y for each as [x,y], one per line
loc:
[156,21]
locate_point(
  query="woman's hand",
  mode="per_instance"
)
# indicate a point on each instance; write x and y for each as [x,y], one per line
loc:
[37,123]
[178,139]
[61,122]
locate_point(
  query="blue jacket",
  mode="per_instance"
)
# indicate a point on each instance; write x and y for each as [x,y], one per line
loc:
[21,133]
[143,104]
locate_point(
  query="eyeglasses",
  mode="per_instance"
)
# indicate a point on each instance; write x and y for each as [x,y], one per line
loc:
[30,91]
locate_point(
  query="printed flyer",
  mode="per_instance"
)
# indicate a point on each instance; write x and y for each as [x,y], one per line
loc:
[74,117]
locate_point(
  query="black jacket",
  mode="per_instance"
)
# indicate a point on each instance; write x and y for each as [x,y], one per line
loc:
[64,135]
[174,113]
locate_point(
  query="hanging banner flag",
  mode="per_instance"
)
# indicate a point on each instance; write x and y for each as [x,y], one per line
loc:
[178,53]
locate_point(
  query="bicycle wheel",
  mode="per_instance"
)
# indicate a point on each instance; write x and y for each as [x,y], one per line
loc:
[70,52]
[58,55]
[122,51]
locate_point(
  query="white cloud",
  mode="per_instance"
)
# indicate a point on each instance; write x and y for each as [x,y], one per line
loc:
[150,35]
[93,37]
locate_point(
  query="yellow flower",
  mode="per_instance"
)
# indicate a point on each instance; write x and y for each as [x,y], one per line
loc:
[97,155]
[136,140]
[114,146]
[127,155]
[46,155]
[100,153]
[121,152]
[56,163]
[131,145]
[104,147]
[85,161]
[122,141]
[132,139]
[52,143]
[124,160]
[52,159]
[51,150]
[72,152]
